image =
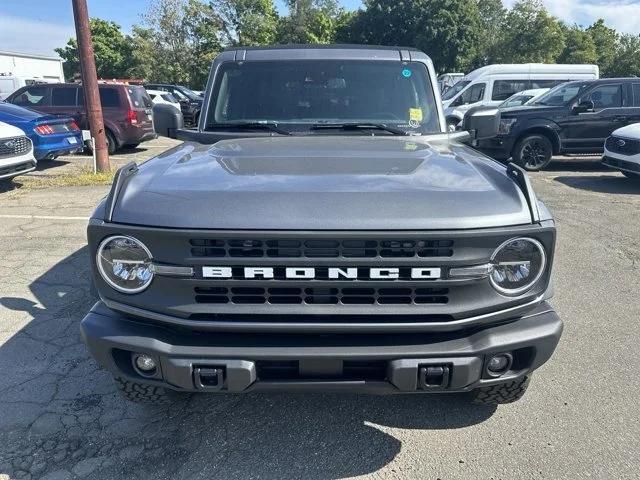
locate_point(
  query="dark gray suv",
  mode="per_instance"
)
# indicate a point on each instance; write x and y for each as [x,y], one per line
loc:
[321,230]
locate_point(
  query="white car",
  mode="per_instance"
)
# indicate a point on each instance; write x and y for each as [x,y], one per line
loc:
[158,96]
[622,151]
[526,97]
[16,152]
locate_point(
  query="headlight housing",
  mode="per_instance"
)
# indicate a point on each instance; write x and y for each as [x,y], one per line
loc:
[517,265]
[505,125]
[125,264]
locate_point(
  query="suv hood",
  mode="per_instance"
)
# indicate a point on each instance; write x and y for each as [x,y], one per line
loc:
[322,182]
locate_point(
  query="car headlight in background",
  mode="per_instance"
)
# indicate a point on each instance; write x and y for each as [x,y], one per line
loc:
[517,265]
[505,125]
[125,264]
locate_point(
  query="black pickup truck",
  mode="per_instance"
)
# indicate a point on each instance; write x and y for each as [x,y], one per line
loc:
[321,230]
[573,118]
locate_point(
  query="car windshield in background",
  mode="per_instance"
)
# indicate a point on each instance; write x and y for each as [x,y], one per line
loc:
[190,94]
[561,95]
[301,94]
[453,91]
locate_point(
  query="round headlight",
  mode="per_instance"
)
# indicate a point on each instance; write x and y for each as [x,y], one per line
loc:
[517,265]
[125,264]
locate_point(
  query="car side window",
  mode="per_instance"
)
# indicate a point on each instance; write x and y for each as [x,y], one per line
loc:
[503,89]
[636,94]
[545,83]
[109,97]
[473,94]
[605,96]
[63,96]
[32,97]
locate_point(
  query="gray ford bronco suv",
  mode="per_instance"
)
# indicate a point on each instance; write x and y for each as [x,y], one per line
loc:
[321,230]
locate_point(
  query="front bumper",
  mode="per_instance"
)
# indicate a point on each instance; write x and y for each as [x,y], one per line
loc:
[366,363]
[499,148]
[627,163]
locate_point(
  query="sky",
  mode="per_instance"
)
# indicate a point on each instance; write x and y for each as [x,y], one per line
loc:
[47,24]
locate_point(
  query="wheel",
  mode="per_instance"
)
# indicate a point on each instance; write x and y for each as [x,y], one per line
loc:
[112,145]
[632,175]
[501,393]
[533,152]
[143,393]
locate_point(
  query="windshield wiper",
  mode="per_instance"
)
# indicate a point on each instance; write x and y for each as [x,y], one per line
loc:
[359,126]
[271,126]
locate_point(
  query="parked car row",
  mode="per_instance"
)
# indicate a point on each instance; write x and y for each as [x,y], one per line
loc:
[491,85]
[573,118]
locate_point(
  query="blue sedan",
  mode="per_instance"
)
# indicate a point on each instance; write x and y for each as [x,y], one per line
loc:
[51,135]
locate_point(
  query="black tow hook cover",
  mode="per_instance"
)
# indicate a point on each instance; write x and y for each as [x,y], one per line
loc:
[208,378]
[433,377]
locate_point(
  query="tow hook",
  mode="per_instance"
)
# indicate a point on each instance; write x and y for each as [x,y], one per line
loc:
[433,377]
[208,378]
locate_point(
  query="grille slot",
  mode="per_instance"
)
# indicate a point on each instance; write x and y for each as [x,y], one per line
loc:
[322,296]
[337,248]
[12,147]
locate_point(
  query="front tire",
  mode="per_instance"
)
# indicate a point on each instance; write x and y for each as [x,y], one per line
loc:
[452,124]
[143,393]
[501,393]
[533,152]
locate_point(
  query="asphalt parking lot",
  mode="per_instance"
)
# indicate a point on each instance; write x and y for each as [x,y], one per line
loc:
[61,418]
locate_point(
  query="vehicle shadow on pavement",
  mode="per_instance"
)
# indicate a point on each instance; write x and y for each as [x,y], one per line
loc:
[62,417]
[613,184]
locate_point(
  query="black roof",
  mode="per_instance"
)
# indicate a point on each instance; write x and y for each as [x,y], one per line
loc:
[333,46]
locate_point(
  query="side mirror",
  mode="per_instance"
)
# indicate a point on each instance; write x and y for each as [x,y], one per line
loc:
[584,106]
[481,122]
[167,119]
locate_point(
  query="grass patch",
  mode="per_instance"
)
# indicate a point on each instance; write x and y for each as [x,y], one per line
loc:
[78,177]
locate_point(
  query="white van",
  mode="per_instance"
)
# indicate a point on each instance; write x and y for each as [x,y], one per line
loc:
[493,84]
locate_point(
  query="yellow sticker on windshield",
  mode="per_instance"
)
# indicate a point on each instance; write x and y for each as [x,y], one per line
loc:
[415,114]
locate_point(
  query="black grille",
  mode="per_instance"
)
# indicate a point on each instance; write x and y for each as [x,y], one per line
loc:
[624,146]
[16,169]
[337,248]
[322,295]
[622,164]
[12,147]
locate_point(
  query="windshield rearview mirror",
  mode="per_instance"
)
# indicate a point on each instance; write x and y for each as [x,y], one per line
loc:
[167,119]
[481,122]
[584,106]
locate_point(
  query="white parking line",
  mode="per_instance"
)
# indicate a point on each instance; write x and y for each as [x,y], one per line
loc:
[44,217]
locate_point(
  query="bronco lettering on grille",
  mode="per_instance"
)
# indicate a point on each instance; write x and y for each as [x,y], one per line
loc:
[331,273]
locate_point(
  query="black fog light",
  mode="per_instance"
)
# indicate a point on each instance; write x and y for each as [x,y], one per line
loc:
[498,364]
[145,364]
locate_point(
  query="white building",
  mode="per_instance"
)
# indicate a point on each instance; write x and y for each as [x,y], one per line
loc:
[20,69]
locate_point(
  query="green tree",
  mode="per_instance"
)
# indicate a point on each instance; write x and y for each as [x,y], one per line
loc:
[492,17]
[579,47]
[178,41]
[247,22]
[310,21]
[447,30]
[606,42]
[532,34]
[626,61]
[112,51]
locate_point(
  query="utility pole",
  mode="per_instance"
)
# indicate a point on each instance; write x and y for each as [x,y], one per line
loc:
[90,84]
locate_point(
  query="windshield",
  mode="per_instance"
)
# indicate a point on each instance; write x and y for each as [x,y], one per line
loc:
[561,95]
[190,94]
[302,93]
[515,101]
[457,88]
